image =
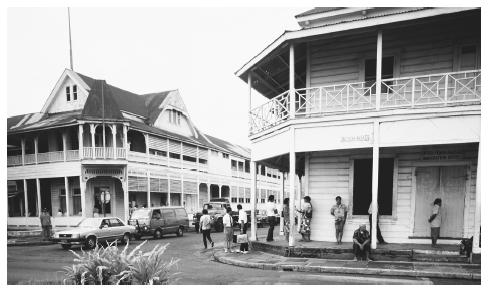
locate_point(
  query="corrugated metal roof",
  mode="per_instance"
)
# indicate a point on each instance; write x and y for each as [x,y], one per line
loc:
[317,10]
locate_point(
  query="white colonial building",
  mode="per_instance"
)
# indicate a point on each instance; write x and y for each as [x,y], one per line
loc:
[381,104]
[91,137]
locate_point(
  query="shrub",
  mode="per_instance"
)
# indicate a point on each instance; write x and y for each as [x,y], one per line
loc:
[110,266]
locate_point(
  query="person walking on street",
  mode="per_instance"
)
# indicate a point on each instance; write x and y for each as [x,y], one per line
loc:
[435,221]
[228,230]
[339,211]
[271,214]
[46,225]
[286,218]
[205,228]
[243,225]
[379,236]
[306,219]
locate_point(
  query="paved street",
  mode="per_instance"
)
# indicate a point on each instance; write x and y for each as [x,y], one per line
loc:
[43,263]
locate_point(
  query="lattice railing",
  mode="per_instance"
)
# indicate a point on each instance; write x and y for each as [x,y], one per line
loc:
[270,113]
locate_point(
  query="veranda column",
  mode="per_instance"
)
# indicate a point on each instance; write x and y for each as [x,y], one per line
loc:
[168,197]
[374,186]
[80,141]
[291,180]
[38,187]
[83,195]
[220,190]
[125,139]
[249,83]
[26,206]
[36,148]
[92,131]
[379,59]
[64,146]
[114,139]
[282,197]
[66,188]
[477,213]
[22,145]
[125,187]
[208,191]
[146,139]
[254,184]
[292,83]
[148,189]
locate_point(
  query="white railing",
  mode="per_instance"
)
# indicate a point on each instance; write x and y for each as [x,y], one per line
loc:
[137,156]
[14,160]
[414,92]
[72,155]
[87,152]
[29,158]
[54,156]
[109,152]
[98,153]
[120,152]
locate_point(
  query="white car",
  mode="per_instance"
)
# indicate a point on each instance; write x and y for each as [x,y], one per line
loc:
[91,231]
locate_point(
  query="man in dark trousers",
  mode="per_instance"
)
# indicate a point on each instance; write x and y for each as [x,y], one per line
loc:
[45,224]
[361,243]
[205,227]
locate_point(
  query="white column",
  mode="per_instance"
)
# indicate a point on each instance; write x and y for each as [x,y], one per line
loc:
[220,190]
[64,146]
[26,205]
[22,145]
[38,187]
[125,186]
[114,139]
[36,148]
[208,191]
[249,83]
[292,83]
[477,212]
[167,158]
[66,188]
[379,59]
[80,141]
[374,187]
[181,155]
[254,225]
[125,138]
[92,131]
[291,181]
[168,197]
[146,139]
[148,189]
[104,141]
[83,196]
[282,197]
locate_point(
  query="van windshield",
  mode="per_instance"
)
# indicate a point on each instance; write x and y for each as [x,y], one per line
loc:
[140,213]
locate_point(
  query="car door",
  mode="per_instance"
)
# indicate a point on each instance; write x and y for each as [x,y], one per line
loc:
[169,220]
[157,220]
[116,229]
[103,232]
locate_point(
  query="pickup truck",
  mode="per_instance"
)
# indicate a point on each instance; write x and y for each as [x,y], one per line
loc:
[216,210]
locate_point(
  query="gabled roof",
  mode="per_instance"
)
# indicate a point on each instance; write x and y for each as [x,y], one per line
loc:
[237,149]
[101,103]
[317,10]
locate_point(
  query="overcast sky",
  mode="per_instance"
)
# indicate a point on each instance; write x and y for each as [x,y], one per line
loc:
[143,50]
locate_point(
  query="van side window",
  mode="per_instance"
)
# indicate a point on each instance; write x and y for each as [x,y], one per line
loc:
[156,214]
[168,213]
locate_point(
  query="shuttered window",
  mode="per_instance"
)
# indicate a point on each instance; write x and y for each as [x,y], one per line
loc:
[137,183]
[189,150]
[189,187]
[174,147]
[159,185]
[175,186]
[158,143]
[202,153]
[241,194]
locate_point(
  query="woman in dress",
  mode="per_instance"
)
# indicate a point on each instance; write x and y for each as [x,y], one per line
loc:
[306,219]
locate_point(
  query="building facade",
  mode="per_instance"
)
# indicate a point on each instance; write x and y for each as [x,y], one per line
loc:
[383,106]
[92,138]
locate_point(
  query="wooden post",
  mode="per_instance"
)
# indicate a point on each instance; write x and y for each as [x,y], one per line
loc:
[66,188]
[379,59]
[80,141]
[146,139]
[374,187]
[64,145]
[22,145]
[114,139]
[282,197]
[92,131]
[26,205]
[254,225]
[168,199]
[38,187]
[125,187]
[292,82]
[36,148]
[148,189]
[125,139]
[477,213]
[249,83]
[83,196]
[291,181]
[208,191]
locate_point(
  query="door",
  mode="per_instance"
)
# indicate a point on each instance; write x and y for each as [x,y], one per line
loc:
[447,183]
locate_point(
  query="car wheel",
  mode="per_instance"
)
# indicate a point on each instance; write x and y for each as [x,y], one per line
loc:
[65,247]
[91,243]
[126,238]
[158,234]
[179,232]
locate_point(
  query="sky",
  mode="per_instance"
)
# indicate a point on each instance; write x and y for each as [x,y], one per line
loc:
[144,50]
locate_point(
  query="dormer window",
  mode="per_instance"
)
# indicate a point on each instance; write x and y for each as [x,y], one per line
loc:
[75,92]
[174,117]
[68,94]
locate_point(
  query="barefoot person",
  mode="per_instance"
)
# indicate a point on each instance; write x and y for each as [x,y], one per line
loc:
[361,243]
[306,219]
[339,211]
[435,221]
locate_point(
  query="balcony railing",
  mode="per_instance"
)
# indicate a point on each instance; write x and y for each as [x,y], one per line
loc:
[54,156]
[407,92]
[71,155]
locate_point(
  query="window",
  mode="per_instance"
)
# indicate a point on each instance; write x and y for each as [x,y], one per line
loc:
[263,170]
[241,199]
[202,161]
[247,166]
[234,199]
[362,186]
[169,213]
[174,117]
[189,158]
[156,214]
[114,222]
[157,152]
[75,92]
[467,58]
[387,67]
[225,155]
[76,201]
[241,166]
[68,94]
[174,155]
[233,165]
[248,200]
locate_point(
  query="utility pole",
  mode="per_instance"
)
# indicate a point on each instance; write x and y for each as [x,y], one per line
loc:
[70,49]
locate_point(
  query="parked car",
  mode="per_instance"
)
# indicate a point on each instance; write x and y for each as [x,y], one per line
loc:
[216,210]
[159,221]
[91,231]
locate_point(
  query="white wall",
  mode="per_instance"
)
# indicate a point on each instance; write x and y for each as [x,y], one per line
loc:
[60,103]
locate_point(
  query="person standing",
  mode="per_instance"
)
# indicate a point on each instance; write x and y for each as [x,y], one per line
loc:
[306,219]
[435,221]
[205,228]
[339,211]
[379,236]
[244,248]
[361,243]
[286,218]
[271,215]
[45,224]
[228,230]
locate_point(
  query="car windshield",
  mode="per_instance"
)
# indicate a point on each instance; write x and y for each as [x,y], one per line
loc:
[90,223]
[213,205]
[140,213]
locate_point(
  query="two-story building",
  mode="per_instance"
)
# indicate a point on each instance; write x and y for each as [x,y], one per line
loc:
[144,150]
[383,105]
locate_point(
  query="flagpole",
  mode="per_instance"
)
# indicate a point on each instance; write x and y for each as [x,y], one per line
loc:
[70,49]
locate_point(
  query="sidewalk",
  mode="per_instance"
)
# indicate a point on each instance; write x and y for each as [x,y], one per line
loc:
[27,241]
[266,261]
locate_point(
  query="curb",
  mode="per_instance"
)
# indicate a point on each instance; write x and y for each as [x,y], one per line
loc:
[348,270]
[24,244]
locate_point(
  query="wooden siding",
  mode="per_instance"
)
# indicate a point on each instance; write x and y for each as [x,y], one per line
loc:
[46,170]
[331,174]
[418,50]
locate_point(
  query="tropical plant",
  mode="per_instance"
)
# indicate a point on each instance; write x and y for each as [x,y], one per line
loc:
[110,266]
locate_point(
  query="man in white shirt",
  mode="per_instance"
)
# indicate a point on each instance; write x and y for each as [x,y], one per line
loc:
[243,224]
[205,227]
[271,214]
[228,231]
